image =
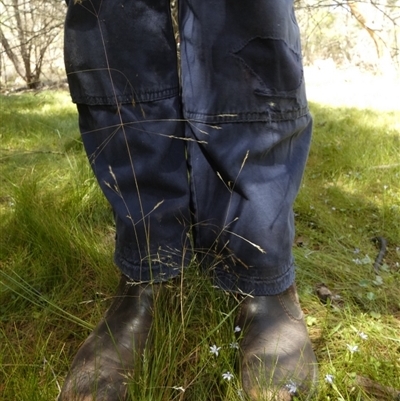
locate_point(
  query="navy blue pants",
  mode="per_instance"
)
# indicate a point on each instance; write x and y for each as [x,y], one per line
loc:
[207,162]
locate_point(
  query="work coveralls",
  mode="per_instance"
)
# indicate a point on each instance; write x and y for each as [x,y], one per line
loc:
[198,154]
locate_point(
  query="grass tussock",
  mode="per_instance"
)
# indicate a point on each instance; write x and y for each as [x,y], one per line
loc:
[56,271]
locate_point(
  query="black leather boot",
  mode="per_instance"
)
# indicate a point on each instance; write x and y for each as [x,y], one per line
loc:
[277,359]
[115,347]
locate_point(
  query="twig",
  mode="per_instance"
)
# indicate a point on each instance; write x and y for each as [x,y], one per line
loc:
[377,390]
[382,252]
[385,166]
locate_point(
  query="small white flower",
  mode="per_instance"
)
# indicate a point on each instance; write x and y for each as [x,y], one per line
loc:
[234,345]
[291,387]
[179,388]
[237,329]
[214,350]
[227,376]
[356,250]
[363,335]
[329,378]
[352,348]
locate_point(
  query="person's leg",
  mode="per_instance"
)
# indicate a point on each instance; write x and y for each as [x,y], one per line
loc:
[138,156]
[122,70]
[244,99]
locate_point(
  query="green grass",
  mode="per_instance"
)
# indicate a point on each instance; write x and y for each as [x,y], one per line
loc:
[56,271]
